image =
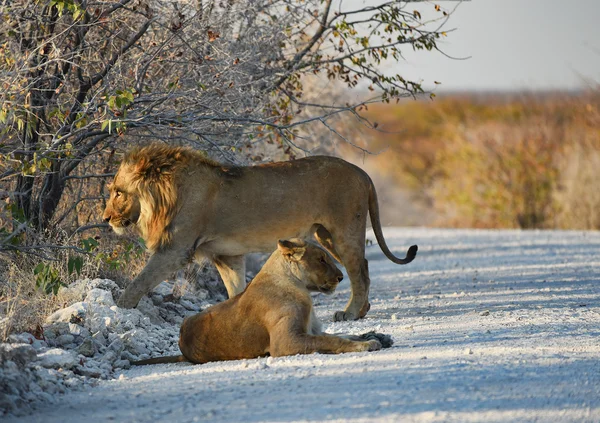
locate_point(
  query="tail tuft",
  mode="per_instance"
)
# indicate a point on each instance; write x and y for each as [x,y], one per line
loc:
[412,253]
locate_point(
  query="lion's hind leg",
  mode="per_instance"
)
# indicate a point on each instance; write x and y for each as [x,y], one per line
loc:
[358,272]
[349,250]
[324,238]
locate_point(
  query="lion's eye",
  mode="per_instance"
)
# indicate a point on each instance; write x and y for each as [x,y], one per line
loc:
[117,194]
[322,260]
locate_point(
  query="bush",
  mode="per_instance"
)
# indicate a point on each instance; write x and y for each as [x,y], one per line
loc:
[496,161]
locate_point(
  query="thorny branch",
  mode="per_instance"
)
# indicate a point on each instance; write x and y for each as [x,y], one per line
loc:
[83,81]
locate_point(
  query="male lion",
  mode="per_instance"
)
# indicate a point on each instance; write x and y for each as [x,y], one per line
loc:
[188,207]
[273,316]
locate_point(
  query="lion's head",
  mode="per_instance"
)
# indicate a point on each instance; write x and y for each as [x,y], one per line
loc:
[144,192]
[311,264]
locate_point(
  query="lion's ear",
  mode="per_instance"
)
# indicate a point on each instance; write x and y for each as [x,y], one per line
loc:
[142,168]
[291,250]
[149,169]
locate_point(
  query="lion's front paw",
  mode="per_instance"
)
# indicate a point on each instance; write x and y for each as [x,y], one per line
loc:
[341,316]
[125,301]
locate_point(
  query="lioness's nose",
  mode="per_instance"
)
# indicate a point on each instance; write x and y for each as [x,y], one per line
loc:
[340,278]
[106,219]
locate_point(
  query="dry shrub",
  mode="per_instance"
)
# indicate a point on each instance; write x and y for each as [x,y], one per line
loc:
[496,161]
[23,306]
[24,303]
[578,197]
[497,176]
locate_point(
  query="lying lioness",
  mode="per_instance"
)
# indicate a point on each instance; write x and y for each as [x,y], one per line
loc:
[273,316]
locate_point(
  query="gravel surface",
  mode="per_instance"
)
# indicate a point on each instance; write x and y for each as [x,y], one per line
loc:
[488,326]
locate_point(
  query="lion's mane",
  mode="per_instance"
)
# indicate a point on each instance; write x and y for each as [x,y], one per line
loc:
[156,175]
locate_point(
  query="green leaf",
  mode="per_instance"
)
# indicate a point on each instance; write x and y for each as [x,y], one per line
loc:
[38,269]
[105,124]
[129,96]
[89,244]
[75,264]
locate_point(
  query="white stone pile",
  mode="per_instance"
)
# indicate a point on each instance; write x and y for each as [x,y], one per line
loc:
[91,339]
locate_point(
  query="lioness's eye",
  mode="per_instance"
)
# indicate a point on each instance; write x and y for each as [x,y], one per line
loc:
[322,260]
[117,193]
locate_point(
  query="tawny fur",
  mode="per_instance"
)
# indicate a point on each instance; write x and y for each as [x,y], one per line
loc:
[273,316]
[187,206]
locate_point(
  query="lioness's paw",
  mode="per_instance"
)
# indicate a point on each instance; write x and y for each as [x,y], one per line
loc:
[386,341]
[341,316]
[373,345]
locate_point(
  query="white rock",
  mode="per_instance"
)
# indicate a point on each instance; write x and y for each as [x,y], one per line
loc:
[117,346]
[87,348]
[64,339]
[64,315]
[109,357]
[19,353]
[134,341]
[91,371]
[122,364]
[72,382]
[21,338]
[100,296]
[189,305]
[74,329]
[38,344]
[57,358]
[163,289]
[147,307]
[99,339]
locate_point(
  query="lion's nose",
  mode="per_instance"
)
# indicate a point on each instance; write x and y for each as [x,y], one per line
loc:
[107,219]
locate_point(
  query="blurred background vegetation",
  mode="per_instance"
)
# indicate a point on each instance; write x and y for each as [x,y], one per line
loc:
[514,160]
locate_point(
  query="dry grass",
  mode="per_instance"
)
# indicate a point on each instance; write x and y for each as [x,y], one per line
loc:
[496,161]
[24,305]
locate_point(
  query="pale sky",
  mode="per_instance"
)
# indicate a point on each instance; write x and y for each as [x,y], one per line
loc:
[513,44]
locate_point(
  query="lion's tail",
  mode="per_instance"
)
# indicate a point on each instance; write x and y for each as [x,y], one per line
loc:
[376,223]
[160,360]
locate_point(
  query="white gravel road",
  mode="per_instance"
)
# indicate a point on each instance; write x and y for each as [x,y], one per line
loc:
[488,326]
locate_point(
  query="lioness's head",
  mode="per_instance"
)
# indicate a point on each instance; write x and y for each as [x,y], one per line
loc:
[311,264]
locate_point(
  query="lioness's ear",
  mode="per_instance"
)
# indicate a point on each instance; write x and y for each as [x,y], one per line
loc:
[290,250]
